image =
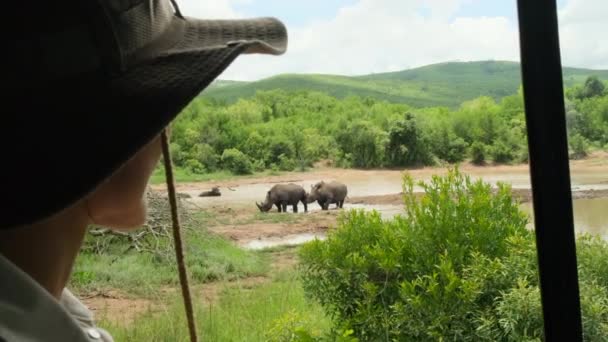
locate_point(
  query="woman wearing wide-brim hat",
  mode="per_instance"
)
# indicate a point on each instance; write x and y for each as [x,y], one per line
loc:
[88,86]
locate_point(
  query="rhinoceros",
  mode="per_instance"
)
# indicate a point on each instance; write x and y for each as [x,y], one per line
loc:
[282,195]
[327,193]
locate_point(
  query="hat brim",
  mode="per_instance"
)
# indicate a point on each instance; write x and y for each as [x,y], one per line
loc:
[85,130]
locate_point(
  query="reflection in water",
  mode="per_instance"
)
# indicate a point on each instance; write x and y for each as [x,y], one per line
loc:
[289,240]
[590,215]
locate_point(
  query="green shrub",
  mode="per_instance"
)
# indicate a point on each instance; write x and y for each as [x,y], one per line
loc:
[237,162]
[414,277]
[579,146]
[460,265]
[194,166]
[502,153]
[408,145]
[258,165]
[452,150]
[478,153]
[206,155]
[286,163]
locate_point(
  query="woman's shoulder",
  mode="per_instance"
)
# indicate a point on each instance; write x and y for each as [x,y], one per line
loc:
[30,313]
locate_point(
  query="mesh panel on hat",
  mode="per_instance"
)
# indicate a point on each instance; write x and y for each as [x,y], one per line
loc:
[214,33]
[141,24]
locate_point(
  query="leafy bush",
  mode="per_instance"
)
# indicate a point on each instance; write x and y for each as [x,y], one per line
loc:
[502,153]
[286,163]
[459,265]
[236,161]
[579,146]
[207,156]
[415,277]
[194,166]
[450,148]
[478,153]
[292,327]
[364,143]
[407,144]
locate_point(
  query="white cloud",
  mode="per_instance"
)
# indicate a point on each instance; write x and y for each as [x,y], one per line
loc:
[387,35]
[583,33]
[205,9]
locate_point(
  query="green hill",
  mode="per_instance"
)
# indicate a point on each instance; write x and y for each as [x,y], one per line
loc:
[444,84]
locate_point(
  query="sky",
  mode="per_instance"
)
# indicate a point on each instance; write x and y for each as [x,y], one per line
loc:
[357,37]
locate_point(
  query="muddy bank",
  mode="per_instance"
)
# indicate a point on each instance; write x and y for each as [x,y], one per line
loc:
[591,170]
[364,185]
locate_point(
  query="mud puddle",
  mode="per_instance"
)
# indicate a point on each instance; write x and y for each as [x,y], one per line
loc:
[288,240]
[386,212]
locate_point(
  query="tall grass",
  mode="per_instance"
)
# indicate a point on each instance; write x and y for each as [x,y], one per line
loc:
[208,258]
[241,313]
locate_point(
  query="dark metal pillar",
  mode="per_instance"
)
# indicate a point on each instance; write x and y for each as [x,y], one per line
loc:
[549,169]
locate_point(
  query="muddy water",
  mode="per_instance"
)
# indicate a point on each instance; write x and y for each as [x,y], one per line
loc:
[590,216]
[371,183]
[289,240]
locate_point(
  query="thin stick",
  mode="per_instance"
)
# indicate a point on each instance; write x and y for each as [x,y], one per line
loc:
[177,237]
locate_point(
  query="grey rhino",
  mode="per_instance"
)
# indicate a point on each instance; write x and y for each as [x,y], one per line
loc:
[328,193]
[282,195]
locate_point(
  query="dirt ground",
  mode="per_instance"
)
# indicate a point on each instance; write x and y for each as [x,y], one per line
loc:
[122,310]
[118,307]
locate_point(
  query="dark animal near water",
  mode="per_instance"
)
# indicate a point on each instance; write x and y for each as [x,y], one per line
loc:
[328,193]
[215,191]
[282,195]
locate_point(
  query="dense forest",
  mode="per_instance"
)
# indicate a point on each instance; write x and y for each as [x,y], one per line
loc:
[288,130]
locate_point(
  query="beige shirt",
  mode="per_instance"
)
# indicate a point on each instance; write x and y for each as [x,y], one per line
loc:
[29,313]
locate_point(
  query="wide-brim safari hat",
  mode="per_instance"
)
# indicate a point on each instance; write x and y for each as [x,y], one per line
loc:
[89,83]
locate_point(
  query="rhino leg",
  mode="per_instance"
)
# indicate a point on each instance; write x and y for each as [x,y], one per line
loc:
[341,204]
[295,208]
[284,205]
[278,207]
[305,206]
[325,205]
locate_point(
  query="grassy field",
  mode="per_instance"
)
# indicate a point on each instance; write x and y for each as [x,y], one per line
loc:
[241,313]
[208,257]
[239,294]
[432,85]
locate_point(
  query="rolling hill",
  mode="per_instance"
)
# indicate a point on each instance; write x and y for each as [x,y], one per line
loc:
[445,84]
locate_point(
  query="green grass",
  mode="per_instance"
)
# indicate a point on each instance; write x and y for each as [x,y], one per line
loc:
[208,258]
[182,175]
[432,85]
[241,313]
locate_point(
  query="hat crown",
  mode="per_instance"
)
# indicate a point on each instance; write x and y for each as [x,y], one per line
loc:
[137,24]
[73,36]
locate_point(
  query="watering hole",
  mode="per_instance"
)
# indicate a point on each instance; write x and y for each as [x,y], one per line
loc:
[379,190]
[590,216]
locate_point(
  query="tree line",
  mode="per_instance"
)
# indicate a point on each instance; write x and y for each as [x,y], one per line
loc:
[283,130]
